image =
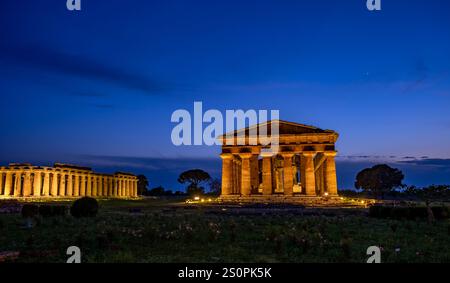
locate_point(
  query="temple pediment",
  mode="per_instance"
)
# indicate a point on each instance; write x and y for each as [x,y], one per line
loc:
[284,128]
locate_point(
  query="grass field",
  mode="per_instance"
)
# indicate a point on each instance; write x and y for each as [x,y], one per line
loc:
[155,230]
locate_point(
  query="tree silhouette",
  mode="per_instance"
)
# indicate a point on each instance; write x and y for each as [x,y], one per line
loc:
[379,179]
[429,195]
[215,186]
[194,178]
[142,185]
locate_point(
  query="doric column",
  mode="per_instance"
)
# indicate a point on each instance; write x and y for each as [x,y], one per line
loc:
[83,180]
[89,185]
[46,187]
[130,184]
[94,185]
[235,178]
[238,176]
[267,172]
[246,174]
[320,180]
[330,173]
[135,187]
[118,183]
[310,182]
[113,186]
[62,184]
[1,183]
[100,186]
[18,184]
[27,184]
[69,190]
[288,180]
[132,187]
[98,190]
[127,187]
[37,183]
[76,185]
[8,183]
[108,186]
[54,190]
[116,186]
[254,170]
[119,186]
[227,173]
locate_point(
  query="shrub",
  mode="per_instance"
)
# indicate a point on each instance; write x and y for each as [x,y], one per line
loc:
[375,211]
[84,207]
[52,210]
[29,210]
[418,212]
[59,210]
[441,212]
[380,211]
[407,212]
[45,210]
[400,212]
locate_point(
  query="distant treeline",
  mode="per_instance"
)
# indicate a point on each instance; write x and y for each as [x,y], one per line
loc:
[433,192]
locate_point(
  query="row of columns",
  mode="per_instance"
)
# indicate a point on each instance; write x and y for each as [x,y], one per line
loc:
[317,175]
[53,183]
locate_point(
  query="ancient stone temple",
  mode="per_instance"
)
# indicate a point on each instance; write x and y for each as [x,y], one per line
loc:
[63,180]
[302,167]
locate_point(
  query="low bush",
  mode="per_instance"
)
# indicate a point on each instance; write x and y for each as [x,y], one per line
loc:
[52,210]
[411,213]
[29,210]
[84,207]
[441,212]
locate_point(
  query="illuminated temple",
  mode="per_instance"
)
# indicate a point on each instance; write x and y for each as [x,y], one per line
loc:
[302,167]
[63,180]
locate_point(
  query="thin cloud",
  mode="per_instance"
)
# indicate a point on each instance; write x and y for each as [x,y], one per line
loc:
[434,162]
[43,58]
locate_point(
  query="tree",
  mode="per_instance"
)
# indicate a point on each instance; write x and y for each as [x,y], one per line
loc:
[430,194]
[215,186]
[158,191]
[379,179]
[142,185]
[194,178]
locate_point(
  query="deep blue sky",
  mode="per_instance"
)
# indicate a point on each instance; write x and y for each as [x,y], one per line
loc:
[98,87]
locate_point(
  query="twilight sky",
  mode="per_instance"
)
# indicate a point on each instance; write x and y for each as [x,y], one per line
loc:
[97,87]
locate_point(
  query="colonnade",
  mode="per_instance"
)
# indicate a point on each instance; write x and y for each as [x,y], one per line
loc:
[308,173]
[25,180]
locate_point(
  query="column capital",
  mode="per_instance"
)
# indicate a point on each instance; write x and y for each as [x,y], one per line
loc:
[287,154]
[309,153]
[266,154]
[226,155]
[330,153]
[246,155]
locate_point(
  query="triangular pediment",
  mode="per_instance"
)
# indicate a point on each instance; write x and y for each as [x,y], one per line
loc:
[284,128]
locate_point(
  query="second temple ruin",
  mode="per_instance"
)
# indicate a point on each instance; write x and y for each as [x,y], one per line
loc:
[63,180]
[303,167]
